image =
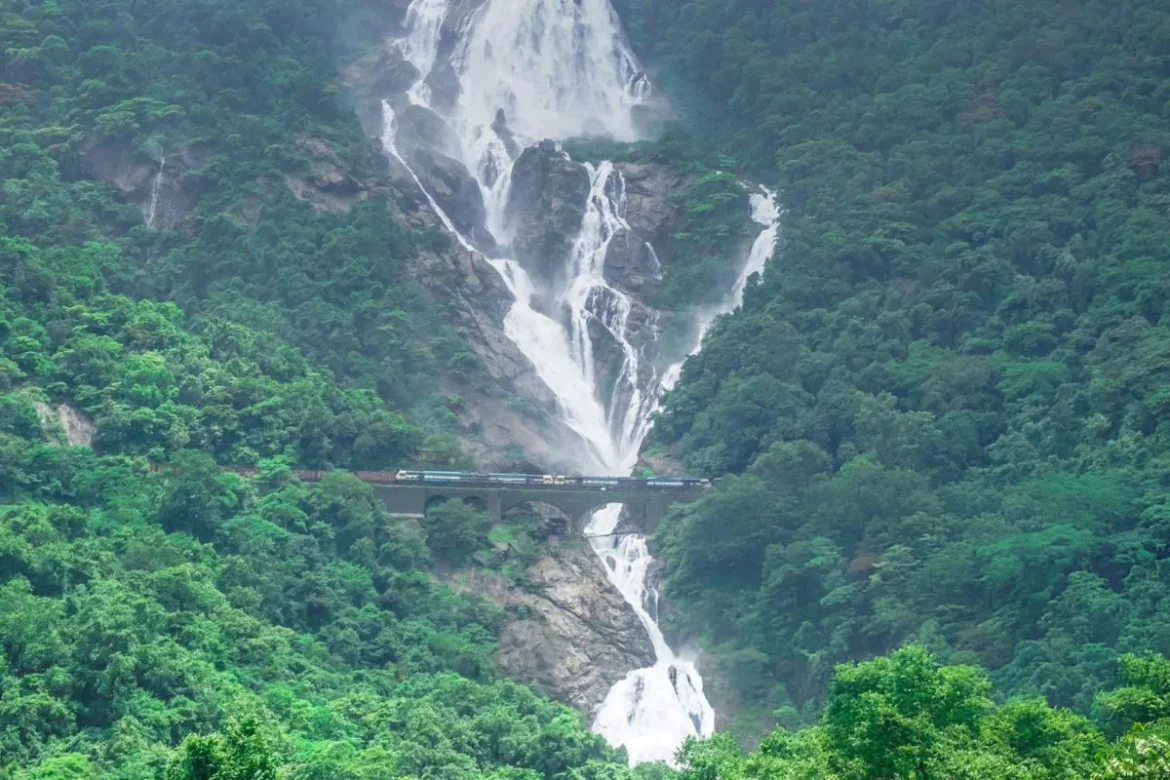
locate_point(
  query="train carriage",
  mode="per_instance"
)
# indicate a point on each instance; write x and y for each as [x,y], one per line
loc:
[503,480]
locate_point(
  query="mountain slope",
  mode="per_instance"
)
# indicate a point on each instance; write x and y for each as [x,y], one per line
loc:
[946,397]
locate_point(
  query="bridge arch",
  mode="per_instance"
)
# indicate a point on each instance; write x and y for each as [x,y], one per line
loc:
[644,505]
[478,503]
[577,509]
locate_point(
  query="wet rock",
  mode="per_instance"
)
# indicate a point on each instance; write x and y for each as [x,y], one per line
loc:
[456,192]
[631,263]
[458,14]
[608,357]
[508,409]
[545,210]
[571,632]
[381,73]
[160,184]
[418,127]
[431,149]
[500,128]
[444,85]
[649,208]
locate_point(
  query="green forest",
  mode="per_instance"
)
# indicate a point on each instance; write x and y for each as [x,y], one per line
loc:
[189,623]
[943,414]
[939,543]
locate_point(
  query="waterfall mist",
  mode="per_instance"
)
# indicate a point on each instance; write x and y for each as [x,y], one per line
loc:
[527,71]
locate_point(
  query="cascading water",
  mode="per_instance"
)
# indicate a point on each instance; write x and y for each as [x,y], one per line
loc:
[652,711]
[155,190]
[766,214]
[530,70]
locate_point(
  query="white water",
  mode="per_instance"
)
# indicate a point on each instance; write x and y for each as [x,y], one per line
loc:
[558,69]
[652,711]
[155,189]
[766,214]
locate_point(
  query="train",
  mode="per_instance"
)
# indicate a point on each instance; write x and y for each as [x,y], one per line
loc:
[500,480]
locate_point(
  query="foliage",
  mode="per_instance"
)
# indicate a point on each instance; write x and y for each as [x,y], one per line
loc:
[905,717]
[141,612]
[158,616]
[153,388]
[941,415]
[456,529]
[308,311]
[241,754]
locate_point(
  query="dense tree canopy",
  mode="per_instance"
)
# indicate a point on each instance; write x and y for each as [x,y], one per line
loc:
[941,417]
[184,622]
[942,413]
[907,718]
[309,312]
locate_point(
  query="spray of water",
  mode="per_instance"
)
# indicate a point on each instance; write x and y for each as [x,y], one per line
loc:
[530,70]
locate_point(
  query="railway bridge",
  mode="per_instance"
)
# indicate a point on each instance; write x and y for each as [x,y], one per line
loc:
[411,493]
[645,506]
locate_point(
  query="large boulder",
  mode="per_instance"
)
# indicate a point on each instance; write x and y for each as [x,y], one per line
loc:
[650,211]
[546,207]
[444,84]
[382,73]
[160,184]
[453,188]
[418,127]
[432,150]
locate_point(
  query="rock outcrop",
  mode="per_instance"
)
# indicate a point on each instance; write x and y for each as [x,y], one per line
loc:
[631,263]
[381,73]
[546,207]
[509,412]
[432,150]
[64,424]
[159,184]
[328,183]
[570,632]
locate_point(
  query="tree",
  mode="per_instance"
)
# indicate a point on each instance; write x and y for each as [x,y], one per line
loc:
[455,529]
[1145,697]
[894,717]
[243,752]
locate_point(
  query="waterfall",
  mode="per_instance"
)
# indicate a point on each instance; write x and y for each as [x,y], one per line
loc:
[529,70]
[766,214]
[652,711]
[155,189]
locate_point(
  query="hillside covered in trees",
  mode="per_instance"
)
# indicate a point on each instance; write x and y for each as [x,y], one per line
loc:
[288,624]
[942,415]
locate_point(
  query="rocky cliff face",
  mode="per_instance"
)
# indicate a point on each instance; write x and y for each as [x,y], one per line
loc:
[509,412]
[570,632]
[546,207]
[160,184]
[65,425]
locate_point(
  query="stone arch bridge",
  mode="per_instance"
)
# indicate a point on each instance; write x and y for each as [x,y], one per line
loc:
[411,492]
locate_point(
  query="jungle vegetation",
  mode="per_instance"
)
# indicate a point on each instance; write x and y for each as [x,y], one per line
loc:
[941,418]
[183,621]
[943,414]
